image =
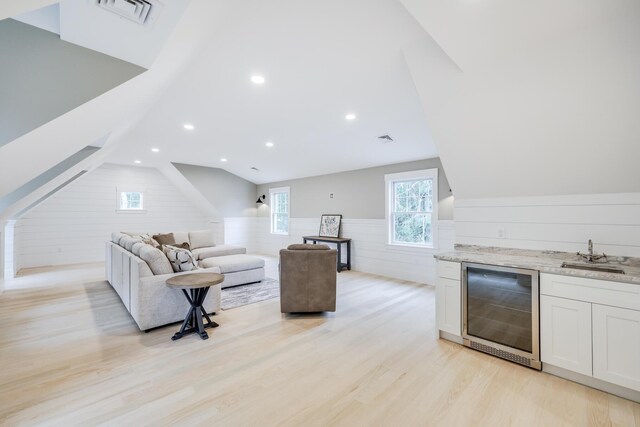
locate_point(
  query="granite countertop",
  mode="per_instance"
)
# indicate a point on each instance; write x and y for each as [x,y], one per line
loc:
[544,261]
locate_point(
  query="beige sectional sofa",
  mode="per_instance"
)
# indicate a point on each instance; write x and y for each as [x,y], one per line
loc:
[138,273]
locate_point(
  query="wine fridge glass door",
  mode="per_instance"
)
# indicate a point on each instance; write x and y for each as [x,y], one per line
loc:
[499,306]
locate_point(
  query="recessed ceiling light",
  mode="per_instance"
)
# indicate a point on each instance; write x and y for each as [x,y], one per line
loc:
[155,150]
[137,162]
[223,159]
[350,116]
[269,144]
[257,80]
[189,126]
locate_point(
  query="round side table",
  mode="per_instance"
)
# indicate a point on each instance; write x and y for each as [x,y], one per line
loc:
[198,286]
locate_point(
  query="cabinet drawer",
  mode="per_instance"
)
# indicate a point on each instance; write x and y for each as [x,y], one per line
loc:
[617,294]
[449,270]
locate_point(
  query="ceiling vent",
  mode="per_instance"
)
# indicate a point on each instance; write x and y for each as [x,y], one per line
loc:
[142,12]
[385,138]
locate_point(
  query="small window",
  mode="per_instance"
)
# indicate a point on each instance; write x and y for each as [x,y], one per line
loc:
[412,206]
[279,210]
[130,201]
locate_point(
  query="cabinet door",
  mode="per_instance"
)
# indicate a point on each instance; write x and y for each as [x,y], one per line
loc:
[616,345]
[448,306]
[565,334]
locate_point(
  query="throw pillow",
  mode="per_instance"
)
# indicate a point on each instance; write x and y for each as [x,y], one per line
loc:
[201,239]
[183,245]
[151,242]
[180,259]
[156,260]
[164,239]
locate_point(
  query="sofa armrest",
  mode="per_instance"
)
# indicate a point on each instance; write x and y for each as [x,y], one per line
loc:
[153,303]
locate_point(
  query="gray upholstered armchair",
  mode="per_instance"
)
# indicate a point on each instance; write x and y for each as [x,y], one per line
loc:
[307,278]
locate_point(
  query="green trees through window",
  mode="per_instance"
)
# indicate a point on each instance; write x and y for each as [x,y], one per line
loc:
[280,211]
[412,207]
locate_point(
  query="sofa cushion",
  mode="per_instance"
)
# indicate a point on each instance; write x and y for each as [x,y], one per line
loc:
[180,259]
[156,260]
[201,239]
[136,248]
[181,237]
[116,236]
[233,263]
[307,247]
[127,242]
[164,239]
[220,250]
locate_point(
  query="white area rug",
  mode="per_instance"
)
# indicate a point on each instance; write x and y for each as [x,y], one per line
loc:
[249,294]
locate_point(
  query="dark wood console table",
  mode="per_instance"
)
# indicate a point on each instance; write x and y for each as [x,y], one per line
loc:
[338,241]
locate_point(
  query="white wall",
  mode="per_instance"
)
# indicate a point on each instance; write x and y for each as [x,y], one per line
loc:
[563,223]
[369,250]
[73,225]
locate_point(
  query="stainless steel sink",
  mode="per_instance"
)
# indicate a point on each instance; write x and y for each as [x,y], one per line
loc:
[602,268]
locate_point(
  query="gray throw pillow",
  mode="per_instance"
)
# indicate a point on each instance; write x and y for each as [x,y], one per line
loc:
[180,259]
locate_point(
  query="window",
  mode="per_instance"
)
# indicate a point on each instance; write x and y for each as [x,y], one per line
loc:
[130,201]
[412,207]
[279,210]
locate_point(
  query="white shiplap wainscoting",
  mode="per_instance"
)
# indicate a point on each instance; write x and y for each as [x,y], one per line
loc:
[241,231]
[562,223]
[73,225]
[370,252]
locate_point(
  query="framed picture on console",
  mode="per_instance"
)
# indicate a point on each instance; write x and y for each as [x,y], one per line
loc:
[330,225]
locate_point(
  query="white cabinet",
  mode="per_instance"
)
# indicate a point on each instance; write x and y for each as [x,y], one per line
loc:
[565,334]
[449,298]
[591,327]
[616,345]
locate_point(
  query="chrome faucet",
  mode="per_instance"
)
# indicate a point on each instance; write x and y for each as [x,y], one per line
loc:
[590,256]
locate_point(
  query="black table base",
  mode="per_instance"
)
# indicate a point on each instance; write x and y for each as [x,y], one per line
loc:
[339,242]
[193,322]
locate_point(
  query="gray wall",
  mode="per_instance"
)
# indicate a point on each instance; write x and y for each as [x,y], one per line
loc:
[231,195]
[356,194]
[43,77]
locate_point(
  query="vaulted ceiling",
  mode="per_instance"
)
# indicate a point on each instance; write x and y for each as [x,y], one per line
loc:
[517,98]
[320,60]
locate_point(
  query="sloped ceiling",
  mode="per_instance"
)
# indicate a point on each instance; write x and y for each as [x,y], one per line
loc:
[44,77]
[531,98]
[114,111]
[85,24]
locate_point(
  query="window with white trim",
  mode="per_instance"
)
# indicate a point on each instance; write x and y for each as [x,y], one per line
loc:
[130,201]
[412,207]
[279,198]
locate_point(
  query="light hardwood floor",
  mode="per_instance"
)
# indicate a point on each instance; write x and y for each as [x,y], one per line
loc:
[71,355]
